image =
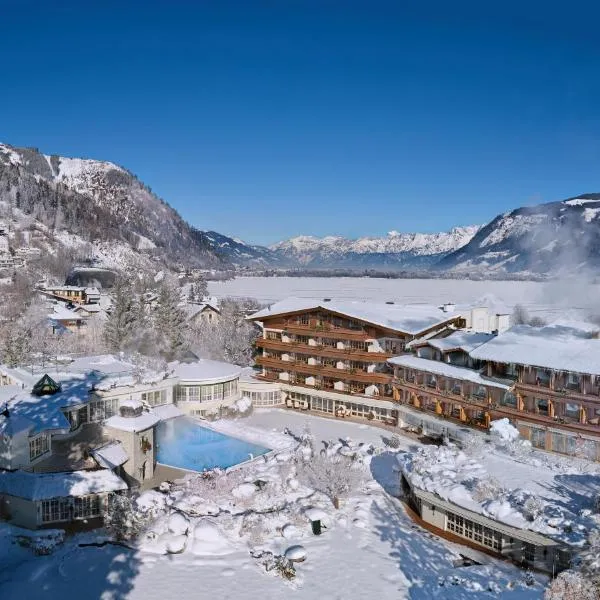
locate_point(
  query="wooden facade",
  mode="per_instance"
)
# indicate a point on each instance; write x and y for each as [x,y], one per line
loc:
[329,351]
[556,411]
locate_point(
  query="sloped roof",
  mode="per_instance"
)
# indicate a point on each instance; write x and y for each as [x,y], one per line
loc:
[460,340]
[437,367]
[110,456]
[406,318]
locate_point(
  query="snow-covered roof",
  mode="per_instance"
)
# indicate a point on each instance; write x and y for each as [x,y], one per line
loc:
[42,486]
[441,368]
[131,403]
[166,411]
[460,340]
[455,476]
[553,347]
[76,378]
[110,456]
[133,424]
[406,318]
[61,313]
[205,370]
[192,310]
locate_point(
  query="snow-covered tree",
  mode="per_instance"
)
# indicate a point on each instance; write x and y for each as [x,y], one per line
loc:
[170,323]
[571,585]
[335,476]
[533,507]
[122,519]
[119,329]
[230,338]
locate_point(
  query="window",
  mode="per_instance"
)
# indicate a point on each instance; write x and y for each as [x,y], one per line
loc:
[303,320]
[155,397]
[538,438]
[38,446]
[571,410]
[480,392]
[509,399]
[431,381]
[541,405]
[573,380]
[542,377]
[358,345]
[103,409]
[528,552]
[66,509]
[56,509]
[474,531]
[86,507]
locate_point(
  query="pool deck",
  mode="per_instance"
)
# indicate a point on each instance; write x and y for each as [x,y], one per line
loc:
[162,473]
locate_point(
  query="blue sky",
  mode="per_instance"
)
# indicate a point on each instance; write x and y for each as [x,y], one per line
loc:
[271,119]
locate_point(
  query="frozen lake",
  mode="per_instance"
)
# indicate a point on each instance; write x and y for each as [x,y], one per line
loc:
[551,299]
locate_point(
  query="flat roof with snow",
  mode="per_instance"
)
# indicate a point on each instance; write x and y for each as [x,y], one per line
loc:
[557,347]
[406,318]
[459,340]
[43,486]
[205,370]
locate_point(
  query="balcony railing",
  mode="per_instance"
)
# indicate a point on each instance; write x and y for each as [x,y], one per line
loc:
[324,350]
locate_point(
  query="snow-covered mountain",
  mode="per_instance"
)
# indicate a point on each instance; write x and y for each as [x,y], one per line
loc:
[99,208]
[552,238]
[396,250]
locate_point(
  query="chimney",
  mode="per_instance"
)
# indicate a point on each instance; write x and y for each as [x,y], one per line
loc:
[448,307]
[389,302]
[326,299]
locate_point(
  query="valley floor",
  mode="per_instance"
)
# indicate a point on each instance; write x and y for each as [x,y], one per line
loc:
[370,548]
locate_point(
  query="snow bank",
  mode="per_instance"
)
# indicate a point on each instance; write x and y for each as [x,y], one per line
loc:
[504,430]
[209,541]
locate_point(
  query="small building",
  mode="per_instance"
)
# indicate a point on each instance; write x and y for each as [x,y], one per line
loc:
[526,548]
[260,392]
[35,500]
[205,386]
[134,429]
[205,312]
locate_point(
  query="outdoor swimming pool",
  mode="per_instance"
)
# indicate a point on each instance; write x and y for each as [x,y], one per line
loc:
[183,443]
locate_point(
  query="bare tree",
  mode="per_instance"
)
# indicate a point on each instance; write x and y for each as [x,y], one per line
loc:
[571,585]
[335,476]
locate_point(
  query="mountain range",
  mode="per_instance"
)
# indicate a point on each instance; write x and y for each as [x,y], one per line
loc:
[101,211]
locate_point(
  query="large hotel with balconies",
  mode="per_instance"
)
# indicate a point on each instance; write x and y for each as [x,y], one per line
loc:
[332,356]
[401,363]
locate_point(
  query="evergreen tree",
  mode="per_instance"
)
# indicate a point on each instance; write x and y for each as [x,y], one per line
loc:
[120,327]
[171,323]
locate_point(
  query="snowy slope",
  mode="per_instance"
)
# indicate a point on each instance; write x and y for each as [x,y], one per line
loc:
[99,201]
[396,249]
[553,238]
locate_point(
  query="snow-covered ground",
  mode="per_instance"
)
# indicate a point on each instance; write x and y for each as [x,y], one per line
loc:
[547,299]
[370,548]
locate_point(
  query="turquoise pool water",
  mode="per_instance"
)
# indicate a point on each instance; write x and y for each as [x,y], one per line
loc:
[183,443]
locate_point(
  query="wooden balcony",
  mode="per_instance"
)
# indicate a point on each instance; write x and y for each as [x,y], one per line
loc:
[321,371]
[498,411]
[334,332]
[358,395]
[564,394]
[320,350]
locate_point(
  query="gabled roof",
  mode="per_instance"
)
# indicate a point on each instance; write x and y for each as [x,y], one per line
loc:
[412,319]
[459,340]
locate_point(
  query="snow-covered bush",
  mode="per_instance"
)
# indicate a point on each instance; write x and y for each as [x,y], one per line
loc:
[571,585]
[503,432]
[533,507]
[473,445]
[276,563]
[123,520]
[488,489]
[335,476]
